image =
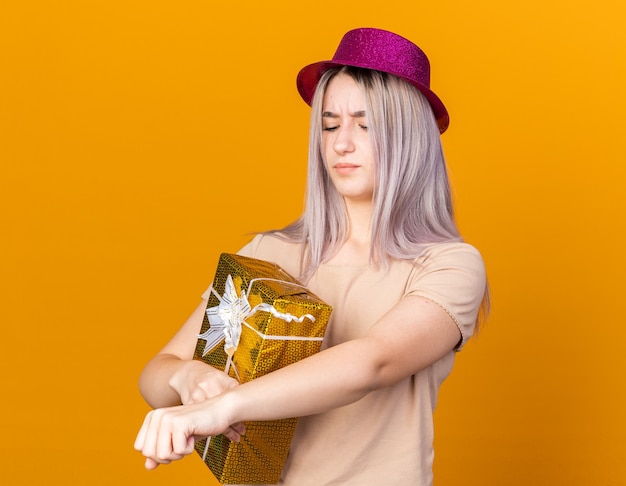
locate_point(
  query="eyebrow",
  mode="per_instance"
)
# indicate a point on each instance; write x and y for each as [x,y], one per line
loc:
[355,114]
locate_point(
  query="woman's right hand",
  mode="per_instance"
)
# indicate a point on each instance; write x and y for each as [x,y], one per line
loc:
[196,381]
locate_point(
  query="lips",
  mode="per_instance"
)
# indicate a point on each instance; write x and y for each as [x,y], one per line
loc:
[345,168]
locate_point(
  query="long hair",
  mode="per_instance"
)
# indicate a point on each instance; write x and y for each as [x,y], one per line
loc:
[412,204]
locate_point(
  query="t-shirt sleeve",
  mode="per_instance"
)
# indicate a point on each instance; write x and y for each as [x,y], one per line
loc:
[248,250]
[453,276]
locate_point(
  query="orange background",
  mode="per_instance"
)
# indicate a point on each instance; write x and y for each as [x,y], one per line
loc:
[139,139]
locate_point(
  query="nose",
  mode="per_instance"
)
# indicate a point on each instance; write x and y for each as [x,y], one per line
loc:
[344,142]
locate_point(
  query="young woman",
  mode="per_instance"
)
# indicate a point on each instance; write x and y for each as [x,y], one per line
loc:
[378,242]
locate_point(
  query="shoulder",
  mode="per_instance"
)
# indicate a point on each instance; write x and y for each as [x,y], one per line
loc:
[451,255]
[273,249]
[452,275]
[456,266]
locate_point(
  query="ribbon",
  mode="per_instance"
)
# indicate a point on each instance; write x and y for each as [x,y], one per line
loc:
[227,318]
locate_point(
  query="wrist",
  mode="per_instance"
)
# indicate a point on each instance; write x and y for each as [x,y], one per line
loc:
[229,406]
[180,375]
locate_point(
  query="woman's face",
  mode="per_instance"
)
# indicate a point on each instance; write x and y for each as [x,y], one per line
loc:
[346,142]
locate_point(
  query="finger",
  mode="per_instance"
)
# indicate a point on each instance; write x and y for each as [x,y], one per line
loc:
[151,434]
[139,440]
[141,435]
[235,431]
[197,395]
[232,434]
[163,441]
[153,462]
[174,440]
[239,427]
[150,464]
[191,443]
[214,387]
[182,443]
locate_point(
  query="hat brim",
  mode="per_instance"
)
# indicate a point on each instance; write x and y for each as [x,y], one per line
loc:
[309,76]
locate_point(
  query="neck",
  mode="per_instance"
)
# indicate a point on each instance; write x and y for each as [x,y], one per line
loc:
[360,220]
[356,249]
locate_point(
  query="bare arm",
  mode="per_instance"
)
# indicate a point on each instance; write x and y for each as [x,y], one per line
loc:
[173,377]
[396,347]
[410,337]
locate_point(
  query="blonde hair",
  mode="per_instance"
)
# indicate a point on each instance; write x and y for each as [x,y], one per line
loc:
[412,200]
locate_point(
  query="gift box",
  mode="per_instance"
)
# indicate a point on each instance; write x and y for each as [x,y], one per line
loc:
[258,319]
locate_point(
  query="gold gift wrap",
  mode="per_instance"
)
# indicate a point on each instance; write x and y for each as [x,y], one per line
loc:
[280,322]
